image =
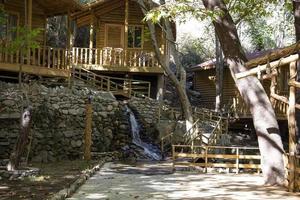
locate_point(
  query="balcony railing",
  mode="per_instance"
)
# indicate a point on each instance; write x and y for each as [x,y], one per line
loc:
[114,57]
[49,57]
[107,58]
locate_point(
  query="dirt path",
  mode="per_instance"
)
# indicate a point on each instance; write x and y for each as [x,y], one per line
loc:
[156,181]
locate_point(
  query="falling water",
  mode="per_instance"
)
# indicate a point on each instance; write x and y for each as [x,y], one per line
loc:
[150,150]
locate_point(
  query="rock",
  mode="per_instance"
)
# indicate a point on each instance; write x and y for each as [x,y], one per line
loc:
[8,102]
[55,106]
[109,108]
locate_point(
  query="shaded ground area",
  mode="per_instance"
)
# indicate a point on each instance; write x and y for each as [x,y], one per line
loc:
[156,181]
[53,178]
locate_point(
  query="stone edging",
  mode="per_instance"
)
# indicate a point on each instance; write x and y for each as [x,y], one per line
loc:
[67,192]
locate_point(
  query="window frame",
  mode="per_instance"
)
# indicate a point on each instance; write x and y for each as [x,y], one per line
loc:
[13,13]
[142,36]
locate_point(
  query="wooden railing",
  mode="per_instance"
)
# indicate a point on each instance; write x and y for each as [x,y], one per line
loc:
[113,57]
[61,58]
[49,57]
[240,109]
[122,86]
[216,157]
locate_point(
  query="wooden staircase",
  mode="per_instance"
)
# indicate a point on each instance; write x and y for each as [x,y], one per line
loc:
[118,86]
[210,128]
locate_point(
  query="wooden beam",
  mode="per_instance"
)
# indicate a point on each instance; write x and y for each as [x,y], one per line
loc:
[283,99]
[29,14]
[92,27]
[126,31]
[292,128]
[273,64]
[35,70]
[294,83]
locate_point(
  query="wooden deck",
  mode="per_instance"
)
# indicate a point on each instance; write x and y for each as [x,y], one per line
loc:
[57,62]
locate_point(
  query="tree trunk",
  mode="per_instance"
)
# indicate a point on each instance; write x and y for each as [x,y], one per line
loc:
[296,8]
[254,95]
[219,76]
[22,140]
[185,103]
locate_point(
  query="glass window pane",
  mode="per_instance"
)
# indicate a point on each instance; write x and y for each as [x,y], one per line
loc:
[138,37]
[130,37]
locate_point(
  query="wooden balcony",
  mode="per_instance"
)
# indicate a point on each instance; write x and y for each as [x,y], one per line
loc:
[116,59]
[46,61]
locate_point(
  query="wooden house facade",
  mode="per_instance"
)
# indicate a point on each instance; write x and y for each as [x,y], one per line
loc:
[204,82]
[119,42]
[33,14]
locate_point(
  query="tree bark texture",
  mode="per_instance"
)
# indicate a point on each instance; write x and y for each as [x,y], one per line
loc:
[254,95]
[185,103]
[296,8]
[22,140]
[219,76]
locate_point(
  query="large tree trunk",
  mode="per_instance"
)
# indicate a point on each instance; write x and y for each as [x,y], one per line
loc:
[254,95]
[185,103]
[219,76]
[296,6]
[22,140]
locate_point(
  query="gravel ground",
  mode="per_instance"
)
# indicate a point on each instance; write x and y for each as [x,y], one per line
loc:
[156,181]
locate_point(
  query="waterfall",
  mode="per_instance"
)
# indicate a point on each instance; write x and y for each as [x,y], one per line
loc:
[150,150]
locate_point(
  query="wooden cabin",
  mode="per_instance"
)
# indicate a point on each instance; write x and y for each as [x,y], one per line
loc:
[204,82]
[119,43]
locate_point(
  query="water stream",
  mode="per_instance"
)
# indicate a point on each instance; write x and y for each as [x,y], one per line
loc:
[150,150]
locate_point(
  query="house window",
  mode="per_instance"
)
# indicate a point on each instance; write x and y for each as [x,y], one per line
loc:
[135,36]
[8,28]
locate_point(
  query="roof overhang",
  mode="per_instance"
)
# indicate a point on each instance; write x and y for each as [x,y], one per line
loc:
[58,7]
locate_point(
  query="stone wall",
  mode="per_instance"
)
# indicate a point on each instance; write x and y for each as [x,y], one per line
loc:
[59,121]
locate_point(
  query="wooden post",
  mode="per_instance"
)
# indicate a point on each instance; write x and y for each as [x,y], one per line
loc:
[206,160]
[126,31]
[92,27]
[237,161]
[173,157]
[88,130]
[292,127]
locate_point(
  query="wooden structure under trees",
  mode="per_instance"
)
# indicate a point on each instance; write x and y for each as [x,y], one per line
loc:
[119,42]
[204,82]
[271,67]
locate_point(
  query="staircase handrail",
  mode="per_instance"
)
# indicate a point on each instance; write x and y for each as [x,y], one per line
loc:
[111,82]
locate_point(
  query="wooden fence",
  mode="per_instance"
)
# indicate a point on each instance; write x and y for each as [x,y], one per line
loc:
[56,58]
[216,157]
[113,57]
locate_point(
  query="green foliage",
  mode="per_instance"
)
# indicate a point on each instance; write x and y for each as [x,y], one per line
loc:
[193,52]
[25,40]
[180,10]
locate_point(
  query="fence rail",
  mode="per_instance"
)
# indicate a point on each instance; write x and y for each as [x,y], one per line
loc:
[113,57]
[217,156]
[56,58]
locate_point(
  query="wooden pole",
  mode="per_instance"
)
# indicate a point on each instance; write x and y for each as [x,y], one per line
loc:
[88,130]
[292,128]
[91,45]
[126,31]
